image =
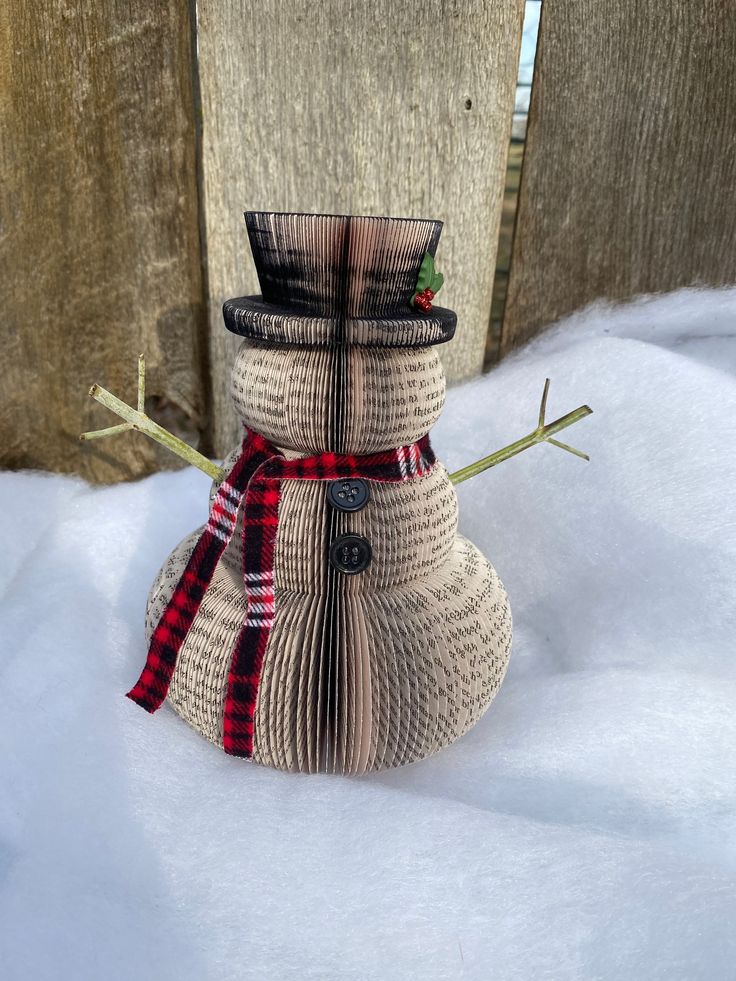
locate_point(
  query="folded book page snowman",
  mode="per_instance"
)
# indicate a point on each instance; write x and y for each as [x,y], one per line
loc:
[328,617]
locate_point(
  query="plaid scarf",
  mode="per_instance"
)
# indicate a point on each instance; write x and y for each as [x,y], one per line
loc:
[254,484]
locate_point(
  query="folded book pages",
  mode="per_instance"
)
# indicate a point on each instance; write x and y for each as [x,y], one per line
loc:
[329,617]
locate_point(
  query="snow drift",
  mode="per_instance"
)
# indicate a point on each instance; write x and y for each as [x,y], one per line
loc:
[584,829]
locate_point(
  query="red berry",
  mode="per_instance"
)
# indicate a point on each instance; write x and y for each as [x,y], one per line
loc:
[429,294]
[422,303]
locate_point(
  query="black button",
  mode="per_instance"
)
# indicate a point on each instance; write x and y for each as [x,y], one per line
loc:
[348,495]
[350,554]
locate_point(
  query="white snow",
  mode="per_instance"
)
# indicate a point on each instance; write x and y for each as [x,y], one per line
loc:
[583,830]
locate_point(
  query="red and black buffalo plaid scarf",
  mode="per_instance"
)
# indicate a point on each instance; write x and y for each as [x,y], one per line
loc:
[253,484]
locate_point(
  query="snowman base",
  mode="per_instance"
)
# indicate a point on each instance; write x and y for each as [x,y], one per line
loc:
[411,670]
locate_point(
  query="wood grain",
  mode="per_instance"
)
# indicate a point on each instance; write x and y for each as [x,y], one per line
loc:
[348,107]
[630,164]
[99,240]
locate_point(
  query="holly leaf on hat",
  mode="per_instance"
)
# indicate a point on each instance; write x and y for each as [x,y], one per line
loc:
[429,278]
[437,281]
[426,272]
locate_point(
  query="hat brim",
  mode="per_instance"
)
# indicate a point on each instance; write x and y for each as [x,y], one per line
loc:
[251,317]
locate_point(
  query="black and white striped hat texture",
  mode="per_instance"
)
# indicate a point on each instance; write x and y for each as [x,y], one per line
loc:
[338,279]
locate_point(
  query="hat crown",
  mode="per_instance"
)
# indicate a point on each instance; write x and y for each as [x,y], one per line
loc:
[339,266]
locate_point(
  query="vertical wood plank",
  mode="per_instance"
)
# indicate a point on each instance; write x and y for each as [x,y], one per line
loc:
[630,163]
[384,108]
[99,239]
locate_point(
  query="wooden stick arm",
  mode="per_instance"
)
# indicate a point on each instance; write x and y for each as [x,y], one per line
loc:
[137,419]
[542,434]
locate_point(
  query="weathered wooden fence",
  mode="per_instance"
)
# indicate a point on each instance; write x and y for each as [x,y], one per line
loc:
[99,251]
[629,177]
[126,162]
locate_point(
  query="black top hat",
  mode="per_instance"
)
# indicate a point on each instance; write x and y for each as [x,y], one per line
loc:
[337,279]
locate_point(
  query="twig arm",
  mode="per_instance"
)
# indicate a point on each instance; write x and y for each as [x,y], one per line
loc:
[138,420]
[543,404]
[141,383]
[542,434]
[124,427]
